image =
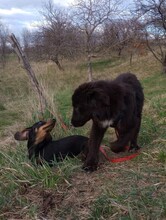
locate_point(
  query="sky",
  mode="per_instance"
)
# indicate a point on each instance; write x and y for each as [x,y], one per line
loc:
[20,14]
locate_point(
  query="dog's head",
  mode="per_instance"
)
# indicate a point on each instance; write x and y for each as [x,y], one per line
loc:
[37,133]
[88,102]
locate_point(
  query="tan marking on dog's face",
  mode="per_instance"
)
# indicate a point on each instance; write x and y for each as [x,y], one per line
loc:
[40,135]
[43,131]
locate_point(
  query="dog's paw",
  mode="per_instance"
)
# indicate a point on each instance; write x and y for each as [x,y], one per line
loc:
[117,148]
[82,157]
[89,167]
[134,148]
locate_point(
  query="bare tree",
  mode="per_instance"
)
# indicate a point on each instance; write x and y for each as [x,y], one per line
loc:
[59,37]
[123,35]
[27,40]
[89,15]
[3,43]
[115,36]
[153,14]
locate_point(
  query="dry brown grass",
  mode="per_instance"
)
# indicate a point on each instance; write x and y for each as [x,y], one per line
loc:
[129,190]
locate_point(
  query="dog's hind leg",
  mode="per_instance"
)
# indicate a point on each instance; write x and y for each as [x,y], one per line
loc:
[133,145]
[122,141]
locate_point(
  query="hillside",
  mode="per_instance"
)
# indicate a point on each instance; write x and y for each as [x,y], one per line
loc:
[130,190]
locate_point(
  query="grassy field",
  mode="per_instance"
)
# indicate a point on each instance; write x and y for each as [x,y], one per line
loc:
[122,191]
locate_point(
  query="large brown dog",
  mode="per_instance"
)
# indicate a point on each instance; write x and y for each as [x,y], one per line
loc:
[117,103]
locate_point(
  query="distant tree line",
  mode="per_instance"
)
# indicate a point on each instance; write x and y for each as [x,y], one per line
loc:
[4,49]
[94,28]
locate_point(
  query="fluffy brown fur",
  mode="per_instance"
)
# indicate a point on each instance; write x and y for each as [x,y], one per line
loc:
[118,104]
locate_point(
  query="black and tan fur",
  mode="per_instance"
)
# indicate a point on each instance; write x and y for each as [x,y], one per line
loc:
[41,147]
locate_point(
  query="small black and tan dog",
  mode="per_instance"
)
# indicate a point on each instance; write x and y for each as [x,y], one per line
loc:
[41,147]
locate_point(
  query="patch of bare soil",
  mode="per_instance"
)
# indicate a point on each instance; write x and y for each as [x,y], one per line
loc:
[79,196]
[72,199]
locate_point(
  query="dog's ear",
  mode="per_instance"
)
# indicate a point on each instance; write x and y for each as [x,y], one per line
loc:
[23,135]
[98,96]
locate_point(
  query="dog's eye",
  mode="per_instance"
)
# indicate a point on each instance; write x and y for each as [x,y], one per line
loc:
[40,123]
[76,109]
[81,109]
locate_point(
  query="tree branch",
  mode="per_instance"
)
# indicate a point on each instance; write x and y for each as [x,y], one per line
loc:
[26,65]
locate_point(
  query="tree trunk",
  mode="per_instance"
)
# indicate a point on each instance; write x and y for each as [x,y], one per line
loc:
[119,52]
[3,54]
[56,60]
[89,64]
[164,65]
[131,58]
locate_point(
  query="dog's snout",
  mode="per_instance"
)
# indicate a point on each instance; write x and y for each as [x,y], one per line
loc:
[17,136]
[77,123]
[53,120]
[73,123]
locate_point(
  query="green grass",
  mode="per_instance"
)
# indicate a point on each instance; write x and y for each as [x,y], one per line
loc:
[101,65]
[162,156]
[64,104]
[2,108]
[18,176]
[122,191]
[148,131]
[7,117]
[102,207]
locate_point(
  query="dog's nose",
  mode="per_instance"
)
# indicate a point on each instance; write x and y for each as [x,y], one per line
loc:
[17,136]
[71,126]
[51,121]
[72,122]
[75,123]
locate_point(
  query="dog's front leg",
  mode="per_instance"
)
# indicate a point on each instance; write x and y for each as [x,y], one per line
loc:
[96,136]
